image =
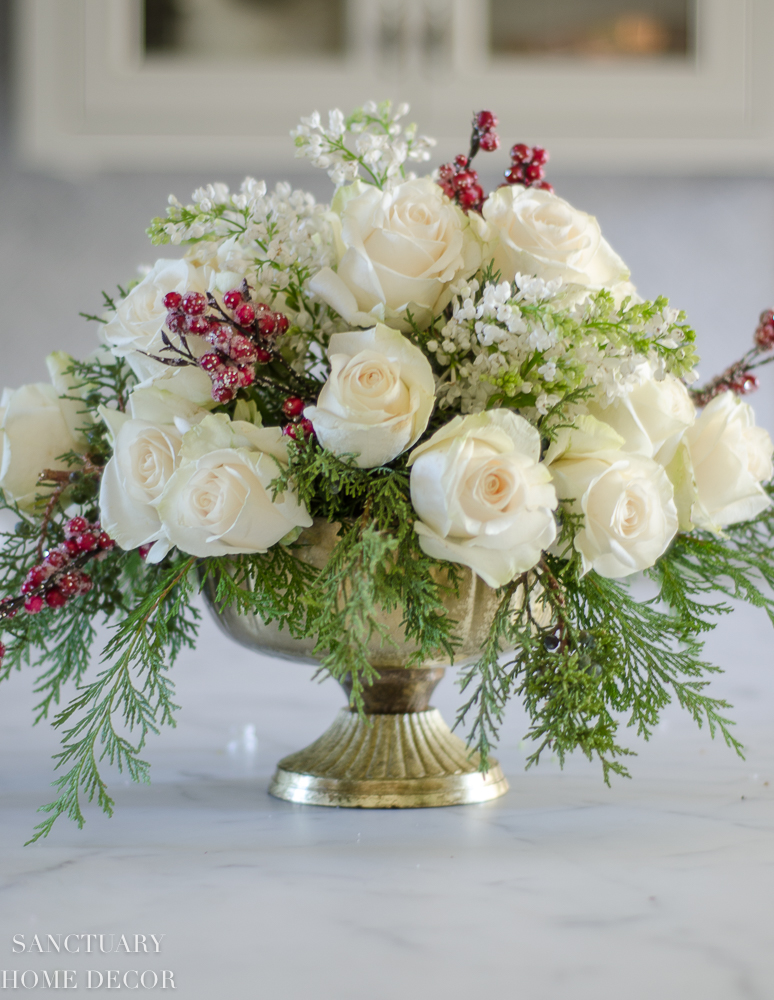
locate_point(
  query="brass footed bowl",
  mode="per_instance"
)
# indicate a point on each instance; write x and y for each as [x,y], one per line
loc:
[402,754]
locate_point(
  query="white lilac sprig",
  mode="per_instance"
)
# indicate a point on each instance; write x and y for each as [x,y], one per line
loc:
[370,143]
[535,342]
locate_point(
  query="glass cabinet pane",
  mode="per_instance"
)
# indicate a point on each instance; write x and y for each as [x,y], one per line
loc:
[592,29]
[244,29]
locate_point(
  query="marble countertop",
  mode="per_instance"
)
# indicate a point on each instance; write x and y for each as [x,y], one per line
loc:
[658,887]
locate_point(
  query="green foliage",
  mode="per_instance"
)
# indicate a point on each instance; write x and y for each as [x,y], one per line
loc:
[584,651]
[109,719]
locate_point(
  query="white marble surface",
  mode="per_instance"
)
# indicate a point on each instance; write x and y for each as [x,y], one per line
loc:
[661,886]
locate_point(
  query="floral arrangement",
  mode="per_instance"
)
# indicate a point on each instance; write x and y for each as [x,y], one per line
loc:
[460,381]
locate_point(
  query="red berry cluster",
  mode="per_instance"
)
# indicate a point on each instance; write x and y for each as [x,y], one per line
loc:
[742,383]
[764,335]
[484,135]
[299,426]
[527,163]
[52,582]
[458,181]
[242,338]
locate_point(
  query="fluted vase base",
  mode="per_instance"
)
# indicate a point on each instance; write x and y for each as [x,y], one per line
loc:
[407,758]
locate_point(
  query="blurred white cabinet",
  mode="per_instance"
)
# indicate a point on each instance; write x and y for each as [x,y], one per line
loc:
[630,99]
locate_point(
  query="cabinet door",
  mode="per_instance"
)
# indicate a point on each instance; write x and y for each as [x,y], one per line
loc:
[640,85]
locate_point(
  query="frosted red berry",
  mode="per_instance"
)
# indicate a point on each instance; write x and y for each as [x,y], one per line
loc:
[293,406]
[222,394]
[245,314]
[142,550]
[57,559]
[533,172]
[172,300]
[176,322]
[68,583]
[220,337]
[764,335]
[545,186]
[193,304]
[461,161]
[282,323]
[489,142]
[241,348]
[75,526]
[232,298]
[486,120]
[245,376]
[34,604]
[87,542]
[211,362]
[85,583]
[539,155]
[55,598]
[306,427]
[267,324]
[105,542]
[198,325]
[521,152]
[262,356]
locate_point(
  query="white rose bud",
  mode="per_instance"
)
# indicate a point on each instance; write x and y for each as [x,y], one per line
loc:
[535,232]
[146,444]
[378,398]
[651,418]
[482,497]
[728,458]
[628,507]
[219,500]
[398,250]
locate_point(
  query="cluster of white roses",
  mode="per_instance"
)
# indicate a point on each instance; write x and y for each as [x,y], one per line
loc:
[638,463]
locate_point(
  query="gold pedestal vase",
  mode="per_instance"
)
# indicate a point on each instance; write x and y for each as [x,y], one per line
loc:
[400,753]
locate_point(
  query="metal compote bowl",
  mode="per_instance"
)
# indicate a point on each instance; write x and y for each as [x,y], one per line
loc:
[402,753]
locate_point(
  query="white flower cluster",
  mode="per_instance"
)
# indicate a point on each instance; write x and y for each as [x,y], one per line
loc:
[537,339]
[371,140]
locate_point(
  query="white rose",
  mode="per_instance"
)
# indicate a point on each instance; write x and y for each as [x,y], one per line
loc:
[378,397]
[535,232]
[146,444]
[627,502]
[482,497]
[728,458]
[397,250]
[139,318]
[219,499]
[651,418]
[36,427]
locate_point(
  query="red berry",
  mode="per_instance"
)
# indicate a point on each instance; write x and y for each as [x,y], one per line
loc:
[465,179]
[267,324]
[461,161]
[57,559]
[197,324]
[68,583]
[539,155]
[33,604]
[172,300]
[232,298]
[446,172]
[211,363]
[85,583]
[306,427]
[72,546]
[143,551]
[55,598]
[764,335]
[105,541]
[282,323]
[87,542]
[489,142]
[220,338]
[485,120]
[246,376]
[520,153]
[229,377]
[75,526]
[245,314]
[194,303]
[241,348]
[289,430]
[545,186]
[37,575]
[534,172]
[2,651]
[175,322]
[469,197]
[222,394]
[515,175]
[262,356]
[293,406]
